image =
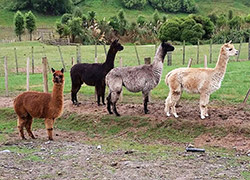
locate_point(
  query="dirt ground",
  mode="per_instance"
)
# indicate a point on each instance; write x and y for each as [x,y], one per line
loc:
[68,157]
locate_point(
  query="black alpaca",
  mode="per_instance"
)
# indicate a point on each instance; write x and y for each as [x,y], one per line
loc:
[93,74]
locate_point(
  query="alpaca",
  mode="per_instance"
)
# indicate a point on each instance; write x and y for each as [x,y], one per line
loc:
[139,78]
[93,74]
[31,104]
[203,81]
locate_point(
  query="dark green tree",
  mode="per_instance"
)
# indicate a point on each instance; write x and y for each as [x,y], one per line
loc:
[230,14]
[75,27]
[156,18]
[77,12]
[170,30]
[221,22]
[236,22]
[134,4]
[65,18]
[19,24]
[141,21]
[30,21]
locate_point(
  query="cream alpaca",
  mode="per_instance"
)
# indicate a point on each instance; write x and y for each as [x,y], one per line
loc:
[203,81]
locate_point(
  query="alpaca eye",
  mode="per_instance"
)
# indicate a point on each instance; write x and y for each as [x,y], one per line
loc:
[230,49]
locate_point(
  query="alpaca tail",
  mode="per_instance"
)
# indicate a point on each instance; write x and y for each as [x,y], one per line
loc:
[166,78]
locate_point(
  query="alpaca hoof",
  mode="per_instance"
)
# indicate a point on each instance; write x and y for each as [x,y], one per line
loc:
[24,138]
[146,112]
[33,137]
[51,139]
[110,112]
[175,115]
[206,115]
[104,104]
[117,114]
[202,117]
[168,114]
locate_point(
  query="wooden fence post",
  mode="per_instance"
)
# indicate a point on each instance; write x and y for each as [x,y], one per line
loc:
[105,50]
[60,52]
[249,48]
[96,53]
[205,61]
[211,51]
[169,55]
[136,52]
[121,95]
[46,57]
[189,63]
[147,60]
[6,76]
[32,59]
[239,49]
[79,53]
[198,51]
[45,74]
[72,61]
[183,60]
[28,74]
[16,60]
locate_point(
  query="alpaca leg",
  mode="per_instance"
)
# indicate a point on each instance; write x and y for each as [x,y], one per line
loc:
[167,105]
[146,103]
[103,95]
[114,99]
[28,127]
[49,126]
[74,91]
[115,110]
[204,99]
[20,124]
[175,98]
[109,104]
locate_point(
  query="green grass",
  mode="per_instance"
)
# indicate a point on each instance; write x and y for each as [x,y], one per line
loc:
[111,8]
[233,89]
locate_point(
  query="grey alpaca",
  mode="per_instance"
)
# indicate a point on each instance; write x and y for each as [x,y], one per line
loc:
[139,78]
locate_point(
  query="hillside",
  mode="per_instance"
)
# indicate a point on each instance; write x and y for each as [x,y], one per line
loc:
[205,7]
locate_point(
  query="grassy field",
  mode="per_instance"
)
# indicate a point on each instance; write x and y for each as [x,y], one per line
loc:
[106,10]
[234,86]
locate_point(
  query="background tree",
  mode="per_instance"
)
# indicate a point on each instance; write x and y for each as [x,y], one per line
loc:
[141,21]
[236,23]
[170,30]
[48,7]
[221,22]
[156,18]
[30,21]
[65,18]
[75,28]
[134,4]
[19,24]
[230,14]
[77,12]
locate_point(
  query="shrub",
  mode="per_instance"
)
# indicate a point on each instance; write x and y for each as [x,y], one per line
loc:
[170,30]
[186,6]
[134,4]
[141,20]
[65,18]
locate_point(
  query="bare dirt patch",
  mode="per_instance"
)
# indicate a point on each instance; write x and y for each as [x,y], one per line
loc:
[69,156]
[228,117]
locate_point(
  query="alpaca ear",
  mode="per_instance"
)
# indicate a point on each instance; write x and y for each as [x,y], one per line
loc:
[53,70]
[62,70]
[230,42]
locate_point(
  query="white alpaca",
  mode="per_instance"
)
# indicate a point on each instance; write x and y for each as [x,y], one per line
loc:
[203,81]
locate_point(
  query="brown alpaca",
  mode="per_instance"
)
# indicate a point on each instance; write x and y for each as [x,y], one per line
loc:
[31,104]
[203,81]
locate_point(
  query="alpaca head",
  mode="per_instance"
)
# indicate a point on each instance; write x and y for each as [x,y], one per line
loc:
[166,47]
[116,46]
[229,49]
[58,77]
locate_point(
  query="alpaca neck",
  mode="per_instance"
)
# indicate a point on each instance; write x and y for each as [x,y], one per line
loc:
[222,62]
[158,59]
[157,65]
[109,63]
[57,95]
